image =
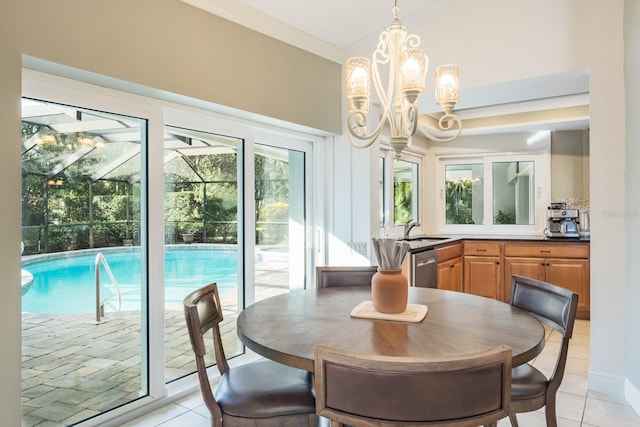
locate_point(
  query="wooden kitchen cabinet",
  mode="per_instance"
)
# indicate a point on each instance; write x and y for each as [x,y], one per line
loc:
[527,267]
[450,267]
[483,269]
[563,264]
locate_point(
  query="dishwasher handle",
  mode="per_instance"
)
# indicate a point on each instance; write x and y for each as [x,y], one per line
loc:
[425,262]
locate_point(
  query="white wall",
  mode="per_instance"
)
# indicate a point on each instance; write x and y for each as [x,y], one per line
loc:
[607,144]
[496,41]
[632,71]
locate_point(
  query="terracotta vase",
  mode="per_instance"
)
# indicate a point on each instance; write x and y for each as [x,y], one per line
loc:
[389,291]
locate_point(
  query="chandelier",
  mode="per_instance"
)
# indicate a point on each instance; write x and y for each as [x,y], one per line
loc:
[407,66]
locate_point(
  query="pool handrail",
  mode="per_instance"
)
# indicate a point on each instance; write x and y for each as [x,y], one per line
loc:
[101,260]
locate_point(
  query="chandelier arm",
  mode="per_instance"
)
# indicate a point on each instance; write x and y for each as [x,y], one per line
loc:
[358,120]
[448,120]
[451,120]
[412,120]
[412,40]
[381,57]
[377,82]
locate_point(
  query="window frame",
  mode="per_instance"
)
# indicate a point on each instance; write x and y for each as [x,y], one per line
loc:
[541,165]
[65,91]
[388,226]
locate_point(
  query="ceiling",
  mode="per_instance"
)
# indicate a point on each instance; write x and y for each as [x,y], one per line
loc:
[330,28]
[337,29]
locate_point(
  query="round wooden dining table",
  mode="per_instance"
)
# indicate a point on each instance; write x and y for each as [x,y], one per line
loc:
[287,327]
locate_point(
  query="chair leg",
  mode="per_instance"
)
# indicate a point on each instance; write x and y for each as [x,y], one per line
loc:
[493,424]
[550,413]
[513,419]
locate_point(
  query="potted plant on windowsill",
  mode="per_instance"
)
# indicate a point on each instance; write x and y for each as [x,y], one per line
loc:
[504,217]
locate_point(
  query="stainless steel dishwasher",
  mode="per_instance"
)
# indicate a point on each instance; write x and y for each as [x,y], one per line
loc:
[424,267]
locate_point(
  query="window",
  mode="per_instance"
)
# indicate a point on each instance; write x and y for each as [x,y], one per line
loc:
[405,192]
[493,194]
[399,192]
[464,193]
[281,211]
[513,193]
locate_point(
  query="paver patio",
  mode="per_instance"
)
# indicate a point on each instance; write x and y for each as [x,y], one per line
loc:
[73,369]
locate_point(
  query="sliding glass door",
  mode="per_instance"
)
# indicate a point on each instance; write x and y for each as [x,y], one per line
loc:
[83,271]
[281,250]
[201,211]
[129,206]
[235,213]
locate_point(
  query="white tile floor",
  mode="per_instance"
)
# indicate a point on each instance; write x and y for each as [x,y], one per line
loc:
[577,407]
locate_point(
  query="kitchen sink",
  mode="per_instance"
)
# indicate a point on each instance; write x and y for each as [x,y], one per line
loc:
[420,243]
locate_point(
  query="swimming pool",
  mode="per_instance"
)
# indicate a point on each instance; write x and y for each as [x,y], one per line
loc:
[65,282]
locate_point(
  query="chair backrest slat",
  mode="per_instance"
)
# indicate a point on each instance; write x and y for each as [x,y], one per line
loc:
[203,313]
[327,277]
[468,391]
[553,305]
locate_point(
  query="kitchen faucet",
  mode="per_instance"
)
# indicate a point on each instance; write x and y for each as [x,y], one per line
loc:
[408,226]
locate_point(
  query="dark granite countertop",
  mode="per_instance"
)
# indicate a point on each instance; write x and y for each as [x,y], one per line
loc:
[424,242]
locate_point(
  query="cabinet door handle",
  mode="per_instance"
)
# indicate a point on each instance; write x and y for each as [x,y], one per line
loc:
[497,262]
[545,251]
[452,265]
[543,264]
[481,250]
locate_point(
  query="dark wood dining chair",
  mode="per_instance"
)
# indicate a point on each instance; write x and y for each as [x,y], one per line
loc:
[328,277]
[256,394]
[359,390]
[555,307]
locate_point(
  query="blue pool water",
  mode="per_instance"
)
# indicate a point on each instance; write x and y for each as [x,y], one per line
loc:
[66,284]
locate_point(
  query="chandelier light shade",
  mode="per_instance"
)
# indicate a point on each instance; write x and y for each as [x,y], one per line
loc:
[406,66]
[359,82]
[447,86]
[413,69]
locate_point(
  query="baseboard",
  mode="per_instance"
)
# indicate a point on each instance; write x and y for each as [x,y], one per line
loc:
[632,394]
[607,384]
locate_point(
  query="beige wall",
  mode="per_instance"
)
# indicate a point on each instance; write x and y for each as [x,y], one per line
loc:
[170,46]
[10,354]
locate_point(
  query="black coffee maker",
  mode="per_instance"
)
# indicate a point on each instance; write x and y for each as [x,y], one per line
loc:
[562,222]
